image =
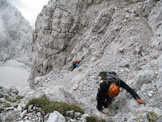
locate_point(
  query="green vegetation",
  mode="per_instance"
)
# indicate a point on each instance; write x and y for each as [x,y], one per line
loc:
[1,96]
[15,106]
[19,97]
[10,100]
[49,106]
[7,105]
[1,102]
[93,119]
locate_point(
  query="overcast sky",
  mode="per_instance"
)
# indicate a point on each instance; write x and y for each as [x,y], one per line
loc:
[29,8]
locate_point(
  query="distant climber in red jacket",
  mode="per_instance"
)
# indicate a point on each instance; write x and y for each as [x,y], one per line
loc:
[75,64]
[110,88]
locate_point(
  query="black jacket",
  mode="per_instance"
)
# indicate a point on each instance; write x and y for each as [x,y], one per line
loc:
[103,93]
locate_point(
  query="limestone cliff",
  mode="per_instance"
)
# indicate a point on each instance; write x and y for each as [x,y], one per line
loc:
[110,35]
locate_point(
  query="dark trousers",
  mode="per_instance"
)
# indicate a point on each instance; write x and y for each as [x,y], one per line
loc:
[106,101]
[74,66]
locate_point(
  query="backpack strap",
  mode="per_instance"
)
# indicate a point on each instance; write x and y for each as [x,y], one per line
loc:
[111,77]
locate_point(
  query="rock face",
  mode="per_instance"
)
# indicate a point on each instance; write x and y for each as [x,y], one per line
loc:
[9,99]
[90,30]
[15,32]
[106,35]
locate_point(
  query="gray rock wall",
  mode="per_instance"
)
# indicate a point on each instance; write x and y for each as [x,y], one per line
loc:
[106,35]
[15,32]
[67,30]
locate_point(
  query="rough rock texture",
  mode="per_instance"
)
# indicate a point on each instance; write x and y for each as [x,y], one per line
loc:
[106,35]
[15,32]
[9,100]
[56,117]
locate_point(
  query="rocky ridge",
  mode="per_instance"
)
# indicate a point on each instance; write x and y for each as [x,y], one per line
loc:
[122,36]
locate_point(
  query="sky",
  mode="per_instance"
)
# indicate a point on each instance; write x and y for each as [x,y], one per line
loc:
[29,8]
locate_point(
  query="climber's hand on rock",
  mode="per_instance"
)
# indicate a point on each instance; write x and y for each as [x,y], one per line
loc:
[140,101]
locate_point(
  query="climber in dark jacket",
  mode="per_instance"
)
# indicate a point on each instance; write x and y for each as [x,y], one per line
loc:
[75,64]
[110,88]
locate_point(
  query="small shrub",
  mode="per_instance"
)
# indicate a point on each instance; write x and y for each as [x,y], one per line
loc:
[93,119]
[15,106]
[1,95]
[49,106]
[6,97]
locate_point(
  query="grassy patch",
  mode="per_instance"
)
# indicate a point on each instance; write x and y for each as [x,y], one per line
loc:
[93,119]
[10,100]
[7,105]
[1,96]
[49,106]
[1,102]
[19,97]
